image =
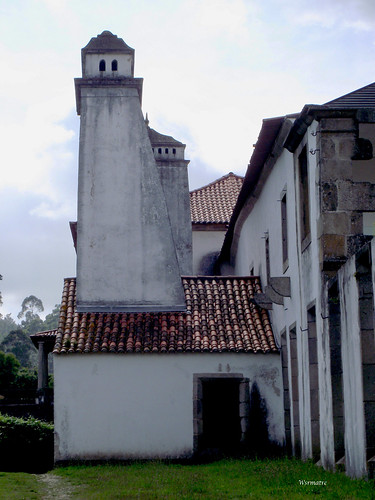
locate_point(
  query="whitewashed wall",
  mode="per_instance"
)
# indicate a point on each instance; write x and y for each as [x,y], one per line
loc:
[304,273]
[205,243]
[141,405]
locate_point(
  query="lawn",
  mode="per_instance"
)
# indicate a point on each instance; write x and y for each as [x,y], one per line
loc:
[234,479]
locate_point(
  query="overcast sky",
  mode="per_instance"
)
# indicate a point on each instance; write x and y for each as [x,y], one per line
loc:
[212,69]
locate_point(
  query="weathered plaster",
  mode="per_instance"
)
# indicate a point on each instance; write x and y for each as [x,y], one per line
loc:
[141,405]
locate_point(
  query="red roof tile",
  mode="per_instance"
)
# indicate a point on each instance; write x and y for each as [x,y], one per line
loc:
[220,317]
[214,203]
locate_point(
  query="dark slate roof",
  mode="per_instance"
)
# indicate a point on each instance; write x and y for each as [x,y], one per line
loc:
[107,42]
[361,98]
[214,203]
[220,317]
[158,139]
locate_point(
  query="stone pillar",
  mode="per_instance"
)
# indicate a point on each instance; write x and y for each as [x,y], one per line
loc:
[42,366]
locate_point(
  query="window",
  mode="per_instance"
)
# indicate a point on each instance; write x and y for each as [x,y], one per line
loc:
[166,151]
[159,151]
[174,151]
[102,65]
[304,194]
[284,230]
[114,65]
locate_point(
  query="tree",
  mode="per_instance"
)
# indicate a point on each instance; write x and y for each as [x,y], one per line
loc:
[19,344]
[32,322]
[9,366]
[52,319]
[7,324]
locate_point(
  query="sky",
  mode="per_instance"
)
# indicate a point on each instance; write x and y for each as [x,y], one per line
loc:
[212,69]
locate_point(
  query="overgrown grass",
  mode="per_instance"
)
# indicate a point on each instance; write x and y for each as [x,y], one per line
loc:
[226,479]
[219,480]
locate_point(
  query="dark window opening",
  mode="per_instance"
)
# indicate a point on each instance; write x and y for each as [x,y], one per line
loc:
[114,65]
[102,65]
[304,194]
[284,229]
[166,150]
[174,151]
[152,149]
[159,151]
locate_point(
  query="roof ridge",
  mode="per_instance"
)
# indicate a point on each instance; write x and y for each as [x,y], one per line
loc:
[230,174]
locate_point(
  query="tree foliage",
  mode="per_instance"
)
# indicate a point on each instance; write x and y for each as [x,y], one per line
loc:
[52,319]
[9,366]
[19,344]
[7,324]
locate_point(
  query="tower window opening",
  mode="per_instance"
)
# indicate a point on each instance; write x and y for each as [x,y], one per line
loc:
[174,151]
[159,151]
[152,149]
[166,150]
[114,65]
[102,65]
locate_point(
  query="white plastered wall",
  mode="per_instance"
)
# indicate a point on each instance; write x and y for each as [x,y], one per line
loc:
[263,221]
[141,405]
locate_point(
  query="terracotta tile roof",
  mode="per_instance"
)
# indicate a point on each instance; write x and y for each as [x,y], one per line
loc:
[221,317]
[214,203]
[48,337]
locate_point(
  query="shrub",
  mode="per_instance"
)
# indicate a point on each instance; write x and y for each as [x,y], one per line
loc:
[25,444]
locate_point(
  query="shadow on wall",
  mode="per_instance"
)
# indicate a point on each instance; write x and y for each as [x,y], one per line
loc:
[258,443]
[207,265]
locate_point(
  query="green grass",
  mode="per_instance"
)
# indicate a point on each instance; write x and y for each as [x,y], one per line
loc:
[17,485]
[226,479]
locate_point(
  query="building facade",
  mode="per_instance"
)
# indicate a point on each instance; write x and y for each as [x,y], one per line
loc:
[304,223]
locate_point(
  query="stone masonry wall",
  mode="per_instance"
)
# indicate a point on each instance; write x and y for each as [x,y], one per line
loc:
[345,188]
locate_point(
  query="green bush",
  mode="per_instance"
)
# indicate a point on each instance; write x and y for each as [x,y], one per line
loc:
[25,444]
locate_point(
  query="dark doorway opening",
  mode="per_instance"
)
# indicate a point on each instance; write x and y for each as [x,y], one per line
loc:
[221,415]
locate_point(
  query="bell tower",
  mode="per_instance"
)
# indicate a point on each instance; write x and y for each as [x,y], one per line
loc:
[126,254]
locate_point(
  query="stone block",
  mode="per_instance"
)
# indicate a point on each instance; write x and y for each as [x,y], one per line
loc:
[287,419]
[327,147]
[315,439]
[314,379]
[244,409]
[198,426]
[244,425]
[368,346]
[368,372]
[364,170]
[294,389]
[370,425]
[333,246]
[337,124]
[356,223]
[285,378]
[329,197]
[346,143]
[244,392]
[333,169]
[314,405]
[286,398]
[334,223]
[355,196]
[313,351]
[366,313]
[197,408]
[356,242]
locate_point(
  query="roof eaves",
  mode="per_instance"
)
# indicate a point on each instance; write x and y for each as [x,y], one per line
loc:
[269,146]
